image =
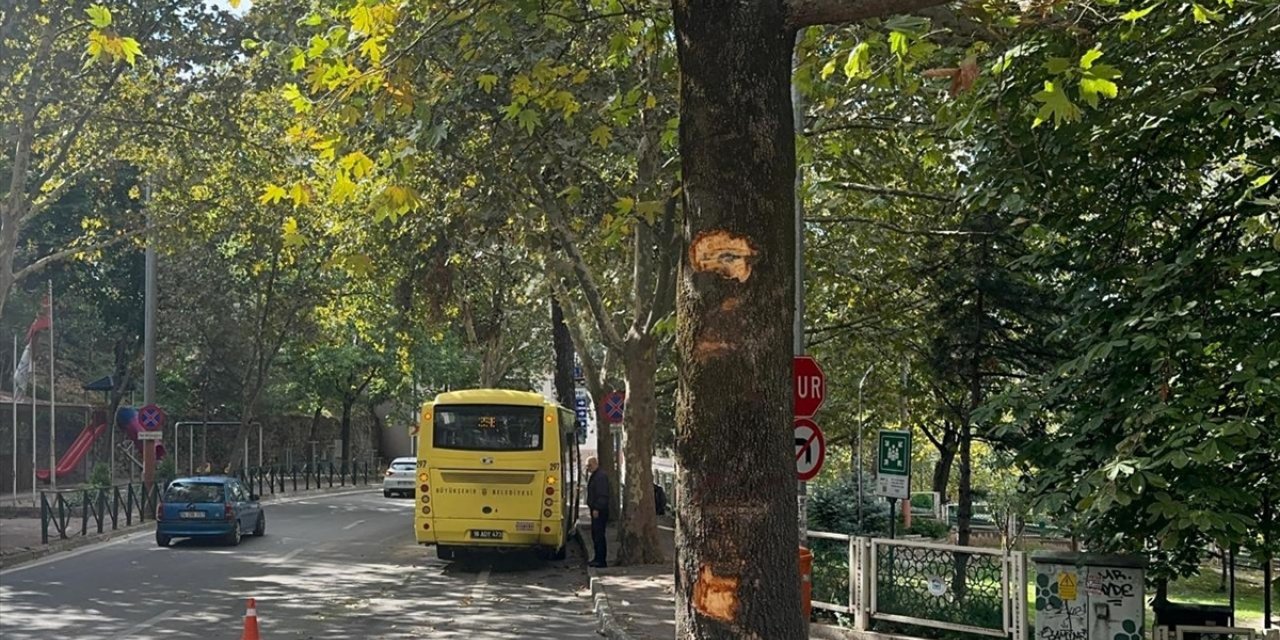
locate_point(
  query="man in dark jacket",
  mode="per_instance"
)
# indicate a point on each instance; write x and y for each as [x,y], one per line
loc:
[598,503]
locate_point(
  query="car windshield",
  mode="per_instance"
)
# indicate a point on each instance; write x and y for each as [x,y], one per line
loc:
[404,466]
[488,428]
[194,492]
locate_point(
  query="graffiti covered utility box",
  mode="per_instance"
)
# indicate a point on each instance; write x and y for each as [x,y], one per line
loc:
[1082,596]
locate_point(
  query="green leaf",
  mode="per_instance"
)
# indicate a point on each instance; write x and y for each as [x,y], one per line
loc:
[1090,56]
[317,46]
[1262,180]
[649,210]
[1056,106]
[828,69]
[487,82]
[299,62]
[99,16]
[1058,66]
[529,120]
[1137,14]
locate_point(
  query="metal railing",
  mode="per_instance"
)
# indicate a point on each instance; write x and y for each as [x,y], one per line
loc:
[970,590]
[96,508]
[78,512]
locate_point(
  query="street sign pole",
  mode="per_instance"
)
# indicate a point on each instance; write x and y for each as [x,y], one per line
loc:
[893,470]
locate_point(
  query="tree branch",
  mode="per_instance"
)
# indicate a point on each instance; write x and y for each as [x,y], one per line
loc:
[43,263]
[889,191]
[608,332]
[808,13]
[668,249]
[895,228]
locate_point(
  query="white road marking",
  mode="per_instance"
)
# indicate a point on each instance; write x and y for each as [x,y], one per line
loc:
[132,631]
[353,525]
[477,591]
[289,556]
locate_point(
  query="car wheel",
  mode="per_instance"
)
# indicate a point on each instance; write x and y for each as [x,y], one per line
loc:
[162,540]
[260,529]
[386,493]
[233,537]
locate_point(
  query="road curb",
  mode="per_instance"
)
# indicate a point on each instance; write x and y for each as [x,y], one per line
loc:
[606,623]
[18,558]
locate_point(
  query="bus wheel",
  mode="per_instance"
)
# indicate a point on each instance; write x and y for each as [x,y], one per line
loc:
[444,553]
[561,553]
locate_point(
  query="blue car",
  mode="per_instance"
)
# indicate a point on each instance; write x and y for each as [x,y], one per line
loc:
[209,507]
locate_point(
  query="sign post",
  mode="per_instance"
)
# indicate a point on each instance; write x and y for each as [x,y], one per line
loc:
[152,419]
[808,391]
[893,469]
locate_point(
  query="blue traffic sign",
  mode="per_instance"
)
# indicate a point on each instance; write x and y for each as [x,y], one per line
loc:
[151,417]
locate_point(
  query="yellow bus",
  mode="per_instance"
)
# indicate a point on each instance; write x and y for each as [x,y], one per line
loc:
[497,470]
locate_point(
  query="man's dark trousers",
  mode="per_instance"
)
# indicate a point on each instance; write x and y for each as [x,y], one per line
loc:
[598,540]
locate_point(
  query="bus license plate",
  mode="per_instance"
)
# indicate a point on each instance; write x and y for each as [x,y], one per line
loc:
[524,526]
[192,514]
[486,534]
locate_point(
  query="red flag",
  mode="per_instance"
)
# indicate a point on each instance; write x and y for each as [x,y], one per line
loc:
[43,321]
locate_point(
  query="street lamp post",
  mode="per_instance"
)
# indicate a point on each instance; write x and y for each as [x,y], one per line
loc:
[858,471]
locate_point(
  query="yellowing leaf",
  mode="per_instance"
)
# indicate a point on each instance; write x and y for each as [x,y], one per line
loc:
[300,194]
[361,19]
[487,82]
[624,205]
[271,195]
[359,164]
[1203,14]
[581,76]
[828,69]
[99,16]
[317,46]
[859,63]
[343,189]
[294,96]
[373,48]
[130,49]
[235,4]
[1090,56]
[899,43]
[97,45]
[601,135]
[289,231]
[1135,15]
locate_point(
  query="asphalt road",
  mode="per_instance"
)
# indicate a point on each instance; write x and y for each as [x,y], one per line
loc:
[337,566]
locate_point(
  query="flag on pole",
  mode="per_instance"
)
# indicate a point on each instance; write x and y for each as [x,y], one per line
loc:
[22,374]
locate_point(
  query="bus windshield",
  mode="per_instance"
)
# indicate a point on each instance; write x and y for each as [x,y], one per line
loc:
[488,428]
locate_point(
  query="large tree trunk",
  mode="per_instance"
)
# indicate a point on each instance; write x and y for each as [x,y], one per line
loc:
[639,542]
[736,534]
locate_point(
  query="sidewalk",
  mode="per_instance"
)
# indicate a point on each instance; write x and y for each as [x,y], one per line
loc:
[637,602]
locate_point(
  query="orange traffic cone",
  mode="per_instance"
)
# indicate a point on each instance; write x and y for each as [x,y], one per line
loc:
[250,622]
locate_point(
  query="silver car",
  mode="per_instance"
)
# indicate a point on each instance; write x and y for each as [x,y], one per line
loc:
[400,477]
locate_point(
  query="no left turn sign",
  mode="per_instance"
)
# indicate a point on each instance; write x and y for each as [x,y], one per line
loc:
[811,449]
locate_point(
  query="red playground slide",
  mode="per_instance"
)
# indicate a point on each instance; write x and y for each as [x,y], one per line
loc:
[78,449]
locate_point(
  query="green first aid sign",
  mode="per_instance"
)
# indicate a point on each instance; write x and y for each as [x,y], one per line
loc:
[893,464]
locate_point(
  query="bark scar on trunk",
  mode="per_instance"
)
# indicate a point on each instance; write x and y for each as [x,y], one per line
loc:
[716,596]
[727,254]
